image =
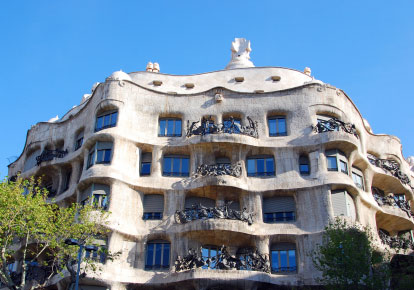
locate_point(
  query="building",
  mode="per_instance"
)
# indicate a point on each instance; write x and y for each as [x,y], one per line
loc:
[223,179]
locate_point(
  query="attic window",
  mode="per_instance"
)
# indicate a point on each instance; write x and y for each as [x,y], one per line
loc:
[259,91]
[239,79]
[275,78]
[157,83]
[189,85]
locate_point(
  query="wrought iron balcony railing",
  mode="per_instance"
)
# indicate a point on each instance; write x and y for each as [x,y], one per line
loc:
[230,126]
[390,166]
[334,124]
[248,259]
[391,200]
[395,242]
[219,170]
[200,212]
[48,155]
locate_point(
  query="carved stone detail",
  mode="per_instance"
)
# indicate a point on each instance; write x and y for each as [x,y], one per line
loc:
[218,170]
[334,124]
[48,155]
[208,126]
[200,212]
[248,259]
[390,166]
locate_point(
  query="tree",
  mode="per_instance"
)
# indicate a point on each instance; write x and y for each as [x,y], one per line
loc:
[348,259]
[33,231]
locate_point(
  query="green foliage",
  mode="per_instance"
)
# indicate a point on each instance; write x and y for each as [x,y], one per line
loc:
[34,229]
[348,260]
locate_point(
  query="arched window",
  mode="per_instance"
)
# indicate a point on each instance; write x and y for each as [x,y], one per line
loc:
[105,120]
[157,255]
[153,206]
[304,167]
[260,165]
[283,257]
[146,160]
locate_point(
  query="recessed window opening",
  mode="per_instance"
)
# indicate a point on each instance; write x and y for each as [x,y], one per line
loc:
[304,167]
[343,204]
[283,258]
[157,255]
[210,255]
[223,161]
[175,165]
[153,206]
[324,119]
[279,209]
[277,126]
[357,177]
[335,157]
[100,154]
[169,127]
[258,166]
[106,120]
[146,160]
[232,125]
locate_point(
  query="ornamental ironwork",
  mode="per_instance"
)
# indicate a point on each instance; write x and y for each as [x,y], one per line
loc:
[334,124]
[48,155]
[219,169]
[391,200]
[395,242]
[200,212]
[246,259]
[229,126]
[390,166]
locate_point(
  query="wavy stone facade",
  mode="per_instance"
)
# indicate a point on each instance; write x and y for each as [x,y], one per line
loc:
[290,177]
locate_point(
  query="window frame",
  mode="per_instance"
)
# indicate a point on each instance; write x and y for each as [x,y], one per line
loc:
[103,115]
[167,120]
[144,155]
[92,196]
[154,255]
[229,128]
[357,173]
[265,172]
[209,257]
[179,173]
[283,247]
[94,154]
[340,159]
[278,133]
[302,157]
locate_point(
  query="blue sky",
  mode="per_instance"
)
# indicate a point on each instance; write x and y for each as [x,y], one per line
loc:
[51,52]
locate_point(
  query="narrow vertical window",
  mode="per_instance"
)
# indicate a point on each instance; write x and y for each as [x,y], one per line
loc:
[146,160]
[357,177]
[304,167]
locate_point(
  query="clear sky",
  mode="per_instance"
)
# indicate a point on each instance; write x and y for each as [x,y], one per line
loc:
[51,52]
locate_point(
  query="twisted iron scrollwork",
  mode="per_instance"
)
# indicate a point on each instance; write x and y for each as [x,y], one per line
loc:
[219,169]
[390,166]
[334,124]
[48,155]
[247,259]
[391,200]
[199,211]
[395,242]
[230,126]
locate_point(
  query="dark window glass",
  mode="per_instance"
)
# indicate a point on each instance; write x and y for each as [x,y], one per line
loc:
[332,163]
[283,261]
[91,159]
[231,126]
[145,168]
[304,167]
[176,166]
[260,166]
[277,126]
[78,143]
[169,128]
[106,121]
[152,216]
[279,217]
[158,255]
[358,180]
[103,156]
[67,180]
[100,201]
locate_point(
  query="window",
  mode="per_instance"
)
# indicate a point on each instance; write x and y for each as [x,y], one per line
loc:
[283,258]
[146,158]
[304,167]
[157,255]
[176,166]
[323,120]
[79,140]
[277,126]
[343,204]
[153,206]
[279,209]
[231,125]
[357,177]
[66,181]
[335,156]
[100,154]
[210,255]
[96,195]
[107,120]
[260,166]
[170,127]
[97,251]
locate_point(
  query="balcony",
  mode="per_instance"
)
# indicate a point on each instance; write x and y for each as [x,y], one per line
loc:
[219,170]
[48,155]
[219,258]
[334,124]
[395,242]
[200,212]
[391,167]
[391,200]
[229,126]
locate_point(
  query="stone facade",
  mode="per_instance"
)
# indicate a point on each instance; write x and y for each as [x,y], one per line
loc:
[256,143]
